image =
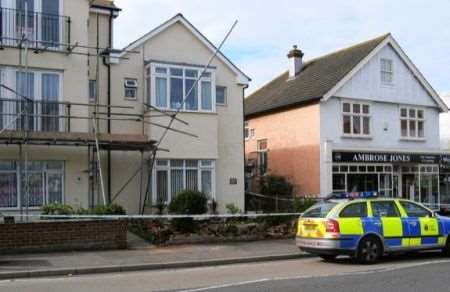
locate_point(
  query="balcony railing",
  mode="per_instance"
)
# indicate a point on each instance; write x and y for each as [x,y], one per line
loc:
[35,116]
[39,30]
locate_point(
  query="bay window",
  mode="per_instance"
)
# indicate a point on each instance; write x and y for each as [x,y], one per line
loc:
[412,122]
[175,175]
[42,183]
[356,119]
[174,87]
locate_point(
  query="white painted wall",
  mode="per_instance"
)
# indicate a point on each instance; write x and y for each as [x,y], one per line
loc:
[220,133]
[366,84]
[444,124]
[385,101]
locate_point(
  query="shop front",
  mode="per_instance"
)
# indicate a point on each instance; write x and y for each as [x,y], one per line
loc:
[420,177]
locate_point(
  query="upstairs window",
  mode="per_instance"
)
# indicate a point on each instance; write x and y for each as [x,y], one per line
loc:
[356,119]
[387,71]
[262,150]
[92,91]
[175,87]
[412,121]
[131,86]
[246,131]
[221,95]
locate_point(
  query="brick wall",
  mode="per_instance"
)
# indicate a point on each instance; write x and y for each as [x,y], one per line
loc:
[63,235]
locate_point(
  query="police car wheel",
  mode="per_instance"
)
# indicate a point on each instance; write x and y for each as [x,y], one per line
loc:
[328,257]
[369,251]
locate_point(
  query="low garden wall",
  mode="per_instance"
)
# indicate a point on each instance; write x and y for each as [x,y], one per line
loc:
[64,235]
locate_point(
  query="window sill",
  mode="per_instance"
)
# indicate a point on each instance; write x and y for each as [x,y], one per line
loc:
[356,137]
[181,112]
[413,139]
[130,99]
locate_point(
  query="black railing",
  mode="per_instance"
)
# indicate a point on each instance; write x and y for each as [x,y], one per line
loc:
[38,30]
[35,116]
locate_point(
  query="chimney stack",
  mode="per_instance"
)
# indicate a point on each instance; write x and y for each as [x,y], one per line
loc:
[295,62]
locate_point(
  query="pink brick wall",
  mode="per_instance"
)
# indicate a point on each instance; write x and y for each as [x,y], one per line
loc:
[294,146]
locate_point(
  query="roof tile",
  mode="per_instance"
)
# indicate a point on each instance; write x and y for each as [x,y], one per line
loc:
[318,76]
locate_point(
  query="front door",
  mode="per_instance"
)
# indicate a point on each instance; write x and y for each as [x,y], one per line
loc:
[410,187]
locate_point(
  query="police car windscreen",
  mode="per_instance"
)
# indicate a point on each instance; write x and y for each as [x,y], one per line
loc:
[319,210]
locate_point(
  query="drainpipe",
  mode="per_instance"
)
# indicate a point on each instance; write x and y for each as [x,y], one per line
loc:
[111,17]
[243,137]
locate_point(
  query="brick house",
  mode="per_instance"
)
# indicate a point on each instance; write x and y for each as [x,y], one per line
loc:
[360,119]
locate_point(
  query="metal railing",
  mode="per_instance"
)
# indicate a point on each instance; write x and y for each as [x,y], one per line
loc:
[36,115]
[39,30]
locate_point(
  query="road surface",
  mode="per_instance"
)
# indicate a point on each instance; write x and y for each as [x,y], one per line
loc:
[418,272]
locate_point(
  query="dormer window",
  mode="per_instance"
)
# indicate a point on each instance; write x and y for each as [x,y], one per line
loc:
[387,71]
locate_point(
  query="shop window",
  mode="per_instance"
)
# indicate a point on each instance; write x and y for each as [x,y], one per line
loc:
[339,183]
[356,119]
[412,122]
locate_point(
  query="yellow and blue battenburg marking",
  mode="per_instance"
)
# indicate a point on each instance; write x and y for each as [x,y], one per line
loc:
[396,232]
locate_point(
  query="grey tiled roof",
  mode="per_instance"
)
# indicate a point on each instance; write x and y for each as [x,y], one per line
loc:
[318,76]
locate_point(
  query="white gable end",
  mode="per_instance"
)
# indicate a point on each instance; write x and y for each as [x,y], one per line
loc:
[405,88]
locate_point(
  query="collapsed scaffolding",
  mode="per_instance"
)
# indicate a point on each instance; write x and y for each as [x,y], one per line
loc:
[58,115]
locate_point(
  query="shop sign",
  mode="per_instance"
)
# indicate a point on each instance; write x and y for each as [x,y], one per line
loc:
[374,157]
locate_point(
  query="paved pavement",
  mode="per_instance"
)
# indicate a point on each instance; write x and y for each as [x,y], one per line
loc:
[424,272]
[142,257]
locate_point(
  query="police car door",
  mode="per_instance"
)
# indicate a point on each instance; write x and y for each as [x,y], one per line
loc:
[420,227]
[391,227]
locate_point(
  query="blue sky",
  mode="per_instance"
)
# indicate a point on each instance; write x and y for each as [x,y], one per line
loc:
[268,29]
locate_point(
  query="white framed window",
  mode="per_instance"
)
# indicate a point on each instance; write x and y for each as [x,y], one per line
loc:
[131,87]
[92,91]
[44,182]
[221,95]
[262,150]
[175,175]
[42,86]
[386,71]
[356,119]
[174,87]
[412,123]
[44,27]
[246,131]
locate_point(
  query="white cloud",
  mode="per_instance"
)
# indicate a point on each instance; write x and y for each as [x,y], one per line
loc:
[267,29]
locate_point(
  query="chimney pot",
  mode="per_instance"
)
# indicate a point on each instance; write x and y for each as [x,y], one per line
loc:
[295,57]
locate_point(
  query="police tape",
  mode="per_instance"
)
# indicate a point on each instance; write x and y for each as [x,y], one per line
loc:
[281,198]
[169,216]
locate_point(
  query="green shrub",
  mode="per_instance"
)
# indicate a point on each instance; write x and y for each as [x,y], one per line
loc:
[190,203]
[62,209]
[232,208]
[57,209]
[111,209]
[301,204]
[274,185]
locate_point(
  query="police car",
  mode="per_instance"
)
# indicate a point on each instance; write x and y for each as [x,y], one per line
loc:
[367,228]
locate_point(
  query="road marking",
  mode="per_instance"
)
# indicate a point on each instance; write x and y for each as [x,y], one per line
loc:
[379,270]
